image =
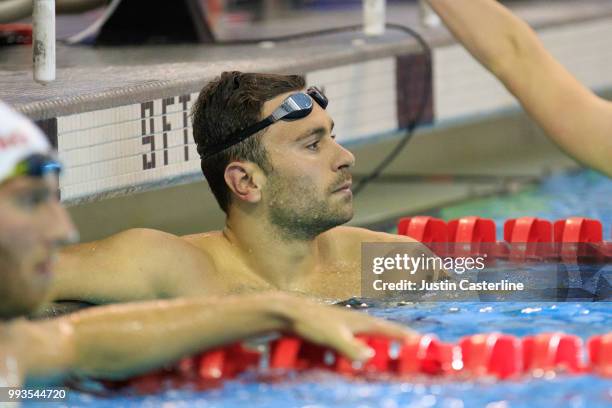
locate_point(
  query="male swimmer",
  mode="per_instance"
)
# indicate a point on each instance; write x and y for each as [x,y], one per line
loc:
[579,121]
[270,157]
[120,340]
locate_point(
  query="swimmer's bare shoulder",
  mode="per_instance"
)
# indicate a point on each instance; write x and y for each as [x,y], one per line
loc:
[233,273]
[344,244]
[354,235]
[135,264]
[205,241]
[348,241]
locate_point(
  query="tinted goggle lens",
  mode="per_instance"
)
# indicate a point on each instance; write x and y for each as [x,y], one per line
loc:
[298,105]
[37,165]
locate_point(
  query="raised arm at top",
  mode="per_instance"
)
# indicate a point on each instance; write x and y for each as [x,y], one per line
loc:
[575,118]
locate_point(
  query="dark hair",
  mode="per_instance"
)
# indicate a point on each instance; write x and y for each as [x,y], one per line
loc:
[230,103]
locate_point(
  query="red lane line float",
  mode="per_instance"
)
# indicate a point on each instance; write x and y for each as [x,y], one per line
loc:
[423,354]
[493,355]
[574,236]
[528,229]
[525,238]
[600,354]
[471,230]
[284,352]
[471,236]
[424,229]
[577,229]
[227,362]
[530,238]
[553,351]
[431,231]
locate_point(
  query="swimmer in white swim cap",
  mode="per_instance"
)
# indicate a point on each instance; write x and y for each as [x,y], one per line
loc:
[33,224]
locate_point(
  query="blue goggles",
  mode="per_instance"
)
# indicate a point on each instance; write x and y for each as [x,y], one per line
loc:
[37,165]
[296,106]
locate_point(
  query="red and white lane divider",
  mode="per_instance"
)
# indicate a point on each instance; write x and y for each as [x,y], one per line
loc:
[526,238]
[492,355]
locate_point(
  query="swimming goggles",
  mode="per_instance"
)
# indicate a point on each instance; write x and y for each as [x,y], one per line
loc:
[37,165]
[296,106]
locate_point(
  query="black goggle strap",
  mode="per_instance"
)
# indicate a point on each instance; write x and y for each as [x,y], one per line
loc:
[285,109]
[242,135]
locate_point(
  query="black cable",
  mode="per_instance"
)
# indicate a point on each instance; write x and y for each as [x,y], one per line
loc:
[414,122]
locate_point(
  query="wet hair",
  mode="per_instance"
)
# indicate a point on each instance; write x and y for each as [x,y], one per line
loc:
[226,105]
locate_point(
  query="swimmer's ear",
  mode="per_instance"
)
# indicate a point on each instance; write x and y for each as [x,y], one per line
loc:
[245,179]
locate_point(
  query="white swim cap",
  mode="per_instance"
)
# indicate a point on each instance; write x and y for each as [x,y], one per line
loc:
[19,139]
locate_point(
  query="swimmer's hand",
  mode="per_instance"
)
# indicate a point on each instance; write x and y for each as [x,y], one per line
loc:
[157,333]
[335,327]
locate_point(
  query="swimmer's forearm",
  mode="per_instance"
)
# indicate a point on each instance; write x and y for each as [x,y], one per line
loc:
[123,340]
[573,117]
[489,31]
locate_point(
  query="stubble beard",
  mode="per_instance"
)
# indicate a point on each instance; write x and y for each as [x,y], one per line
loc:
[297,212]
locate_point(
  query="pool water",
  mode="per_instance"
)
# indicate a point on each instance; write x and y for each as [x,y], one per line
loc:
[579,194]
[582,194]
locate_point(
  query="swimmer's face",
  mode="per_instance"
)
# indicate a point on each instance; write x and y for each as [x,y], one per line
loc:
[32,225]
[304,192]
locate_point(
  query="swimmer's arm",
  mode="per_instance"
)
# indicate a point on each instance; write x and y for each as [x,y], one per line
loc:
[575,118]
[11,362]
[41,349]
[137,264]
[119,341]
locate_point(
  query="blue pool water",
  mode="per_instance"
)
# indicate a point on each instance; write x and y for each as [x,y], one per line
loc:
[585,194]
[581,194]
